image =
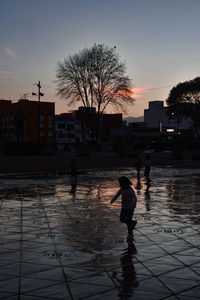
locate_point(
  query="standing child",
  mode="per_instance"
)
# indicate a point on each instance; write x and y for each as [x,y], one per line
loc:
[129,201]
[138,166]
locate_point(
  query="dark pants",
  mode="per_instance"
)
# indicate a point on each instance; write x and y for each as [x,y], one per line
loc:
[126,217]
[147,172]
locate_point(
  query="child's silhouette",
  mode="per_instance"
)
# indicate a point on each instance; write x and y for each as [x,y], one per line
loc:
[129,201]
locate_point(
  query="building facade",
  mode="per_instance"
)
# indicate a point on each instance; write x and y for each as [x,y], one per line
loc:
[156,117]
[27,121]
[80,127]
[90,123]
[68,133]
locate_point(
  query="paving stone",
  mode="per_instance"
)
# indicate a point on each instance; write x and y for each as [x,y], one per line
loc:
[55,245]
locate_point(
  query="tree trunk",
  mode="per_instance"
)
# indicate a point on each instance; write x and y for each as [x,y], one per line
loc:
[98,124]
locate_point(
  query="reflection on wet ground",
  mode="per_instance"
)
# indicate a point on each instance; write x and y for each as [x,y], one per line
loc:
[63,240]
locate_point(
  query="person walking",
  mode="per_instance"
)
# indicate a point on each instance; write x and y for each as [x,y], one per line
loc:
[138,166]
[147,167]
[73,167]
[129,201]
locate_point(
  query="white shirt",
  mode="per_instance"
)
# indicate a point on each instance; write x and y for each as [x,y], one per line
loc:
[129,198]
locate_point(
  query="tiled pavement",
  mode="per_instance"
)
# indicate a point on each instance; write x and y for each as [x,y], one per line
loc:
[61,245]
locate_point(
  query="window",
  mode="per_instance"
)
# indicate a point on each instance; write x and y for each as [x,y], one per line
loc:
[41,116]
[61,135]
[50,116]
[70,127]
[50,124]
[170,129]
[61,126]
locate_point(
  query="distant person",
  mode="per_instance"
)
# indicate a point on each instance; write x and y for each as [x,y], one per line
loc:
[147,166]
[138,186]
[147,198]
[129,201]
[73,186]
[73,168]
[73,175]
[138,165]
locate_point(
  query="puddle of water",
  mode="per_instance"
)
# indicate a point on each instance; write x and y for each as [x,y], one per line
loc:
[172,191]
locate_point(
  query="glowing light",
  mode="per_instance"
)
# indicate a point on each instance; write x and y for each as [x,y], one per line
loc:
[170,129]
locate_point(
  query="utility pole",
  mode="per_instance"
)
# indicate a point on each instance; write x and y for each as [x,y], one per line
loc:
[39,95]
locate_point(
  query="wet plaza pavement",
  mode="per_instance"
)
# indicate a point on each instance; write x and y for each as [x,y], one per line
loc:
[58,242]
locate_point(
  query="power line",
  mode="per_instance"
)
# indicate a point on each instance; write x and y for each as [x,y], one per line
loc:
[159,88]
[51,87]
[144,90]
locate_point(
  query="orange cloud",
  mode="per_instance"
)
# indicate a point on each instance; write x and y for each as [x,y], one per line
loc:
[138,92]
[134,92]
[125,93]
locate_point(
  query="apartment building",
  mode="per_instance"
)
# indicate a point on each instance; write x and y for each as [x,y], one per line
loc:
[68,132]
[27,121]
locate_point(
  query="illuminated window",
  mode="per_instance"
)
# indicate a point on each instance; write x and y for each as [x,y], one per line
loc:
[170,129]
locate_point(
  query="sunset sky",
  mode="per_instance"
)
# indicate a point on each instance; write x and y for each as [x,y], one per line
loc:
[158,40]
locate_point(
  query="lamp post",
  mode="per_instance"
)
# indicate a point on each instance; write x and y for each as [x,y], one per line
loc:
[39,95]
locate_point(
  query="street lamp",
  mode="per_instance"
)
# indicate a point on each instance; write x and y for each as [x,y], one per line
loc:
[39,94]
